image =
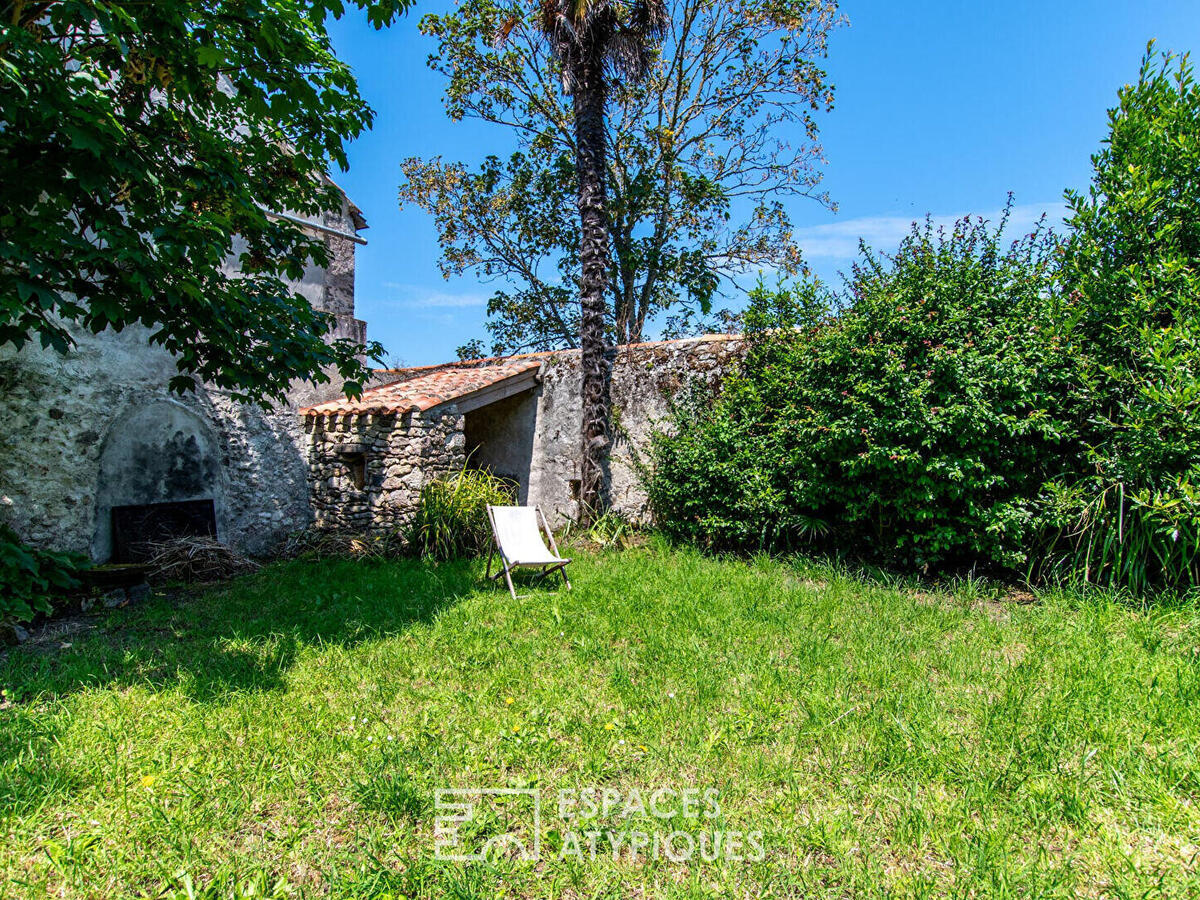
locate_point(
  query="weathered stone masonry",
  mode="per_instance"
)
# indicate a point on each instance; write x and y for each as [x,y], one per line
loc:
[97,427]
[646,378]
[366,470]
[516,416]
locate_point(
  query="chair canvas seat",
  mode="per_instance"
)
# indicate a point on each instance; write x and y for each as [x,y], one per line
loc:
[518,538]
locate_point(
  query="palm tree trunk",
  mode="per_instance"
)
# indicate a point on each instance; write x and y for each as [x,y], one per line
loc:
[590,163]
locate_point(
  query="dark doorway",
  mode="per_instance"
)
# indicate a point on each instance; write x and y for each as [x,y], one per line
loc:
[135,528]
[500,439]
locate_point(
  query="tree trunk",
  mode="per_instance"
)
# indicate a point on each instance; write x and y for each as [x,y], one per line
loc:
[590,163]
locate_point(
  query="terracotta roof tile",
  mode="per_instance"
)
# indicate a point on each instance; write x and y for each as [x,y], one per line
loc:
[425,390]
[419,388]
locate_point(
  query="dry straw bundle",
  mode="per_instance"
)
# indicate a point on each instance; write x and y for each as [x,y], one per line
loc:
[194,560]
[318,544]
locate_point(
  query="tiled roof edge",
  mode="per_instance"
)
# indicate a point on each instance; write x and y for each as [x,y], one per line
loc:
[484,361]
[387,406]
[411,372]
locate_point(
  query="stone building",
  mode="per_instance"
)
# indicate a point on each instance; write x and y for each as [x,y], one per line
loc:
[98,454]
[516,416]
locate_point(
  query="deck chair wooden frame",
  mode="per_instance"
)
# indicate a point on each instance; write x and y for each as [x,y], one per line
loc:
[548,564]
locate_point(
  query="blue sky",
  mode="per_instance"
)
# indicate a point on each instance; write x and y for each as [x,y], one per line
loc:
[942,108]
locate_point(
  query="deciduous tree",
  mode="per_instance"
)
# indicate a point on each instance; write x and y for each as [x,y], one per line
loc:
[137,140]
[702,156]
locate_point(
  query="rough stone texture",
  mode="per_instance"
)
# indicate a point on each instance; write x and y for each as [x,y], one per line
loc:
[97,427]
[93,428]
[399,454]
[114,598]
[645,379]
[532,437]
[11,633]
[339,279]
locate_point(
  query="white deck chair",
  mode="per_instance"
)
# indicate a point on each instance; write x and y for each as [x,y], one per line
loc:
[518,537]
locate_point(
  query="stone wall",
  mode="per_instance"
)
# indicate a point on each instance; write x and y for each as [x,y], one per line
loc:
[531,437]
[76,424]
[366,471]
[68,413]
[645,379]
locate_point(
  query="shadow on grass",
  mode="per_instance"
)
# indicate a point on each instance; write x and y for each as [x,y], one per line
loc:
[243,635]
[210,644]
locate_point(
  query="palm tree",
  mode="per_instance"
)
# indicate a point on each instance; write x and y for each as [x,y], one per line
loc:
[595,42]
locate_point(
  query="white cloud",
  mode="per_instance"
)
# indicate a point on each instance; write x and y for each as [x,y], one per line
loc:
[411,296]
[839,240]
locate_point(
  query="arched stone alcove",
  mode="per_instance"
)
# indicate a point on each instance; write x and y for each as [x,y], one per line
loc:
[158,453]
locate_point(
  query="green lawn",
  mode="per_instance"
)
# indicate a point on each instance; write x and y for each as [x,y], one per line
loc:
[286,734]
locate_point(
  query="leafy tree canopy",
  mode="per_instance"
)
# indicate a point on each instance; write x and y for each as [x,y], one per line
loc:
[1134,247]
[137,140]
[697,172]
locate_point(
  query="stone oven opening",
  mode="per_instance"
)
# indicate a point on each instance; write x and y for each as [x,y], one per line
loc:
[159,478]
[135,528]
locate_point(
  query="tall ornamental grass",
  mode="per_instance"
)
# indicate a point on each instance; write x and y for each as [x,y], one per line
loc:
[451,518]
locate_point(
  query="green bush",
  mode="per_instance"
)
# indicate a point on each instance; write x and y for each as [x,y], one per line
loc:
[917,425]
[451,518]
[1132,266]
[30,579]
[1035,408]
[613,530]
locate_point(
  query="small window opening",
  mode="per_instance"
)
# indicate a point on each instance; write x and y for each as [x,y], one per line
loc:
[356,466]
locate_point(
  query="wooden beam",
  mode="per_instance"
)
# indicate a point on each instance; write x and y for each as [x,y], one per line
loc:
[493,393]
